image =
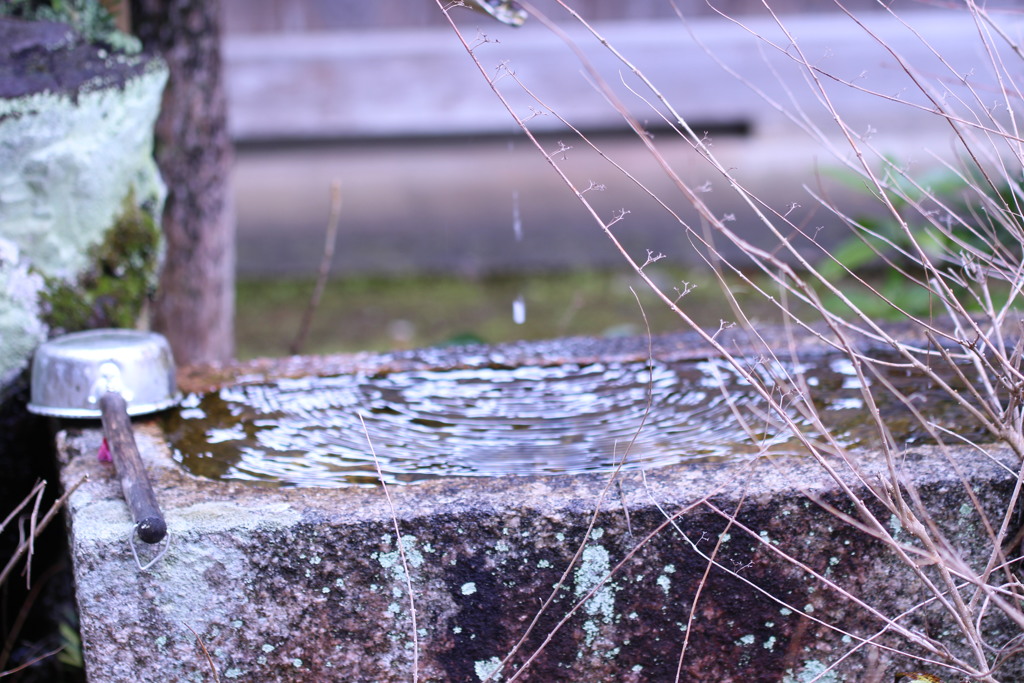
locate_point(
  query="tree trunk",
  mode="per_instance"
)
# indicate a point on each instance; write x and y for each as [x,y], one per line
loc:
[195,303]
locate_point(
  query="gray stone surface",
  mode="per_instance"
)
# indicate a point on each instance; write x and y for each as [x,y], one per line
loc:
[309,585]
[48,56]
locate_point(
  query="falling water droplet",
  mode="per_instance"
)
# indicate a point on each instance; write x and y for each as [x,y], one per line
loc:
[517,221]
[519,310]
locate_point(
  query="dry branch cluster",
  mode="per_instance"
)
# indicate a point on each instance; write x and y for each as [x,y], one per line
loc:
[955,244]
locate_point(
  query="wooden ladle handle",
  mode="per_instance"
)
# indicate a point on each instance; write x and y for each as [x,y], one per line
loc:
[138,492]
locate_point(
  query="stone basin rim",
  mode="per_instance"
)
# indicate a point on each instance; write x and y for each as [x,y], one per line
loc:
[672,486]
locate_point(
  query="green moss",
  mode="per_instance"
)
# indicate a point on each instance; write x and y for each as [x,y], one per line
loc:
[387,313]
[122,277]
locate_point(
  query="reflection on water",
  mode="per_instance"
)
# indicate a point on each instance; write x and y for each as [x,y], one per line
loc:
[483,421]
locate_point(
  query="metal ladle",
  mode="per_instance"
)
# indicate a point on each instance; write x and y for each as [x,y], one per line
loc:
[111,374]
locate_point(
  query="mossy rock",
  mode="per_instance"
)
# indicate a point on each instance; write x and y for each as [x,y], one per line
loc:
[79,246]
[122,277]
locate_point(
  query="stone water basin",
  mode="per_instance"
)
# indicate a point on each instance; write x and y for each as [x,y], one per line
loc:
[269,578]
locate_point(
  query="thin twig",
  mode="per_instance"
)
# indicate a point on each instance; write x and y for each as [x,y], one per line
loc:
[401,553]
[330,238]
[14,629]
[206,653]
[25,545]
[31,662]
[25,501]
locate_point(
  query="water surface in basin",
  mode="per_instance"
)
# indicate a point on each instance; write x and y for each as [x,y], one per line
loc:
[481,421]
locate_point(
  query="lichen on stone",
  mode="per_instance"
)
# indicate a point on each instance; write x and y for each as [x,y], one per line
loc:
[20,326]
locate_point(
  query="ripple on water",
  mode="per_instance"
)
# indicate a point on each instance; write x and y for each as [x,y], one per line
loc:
[566,418]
